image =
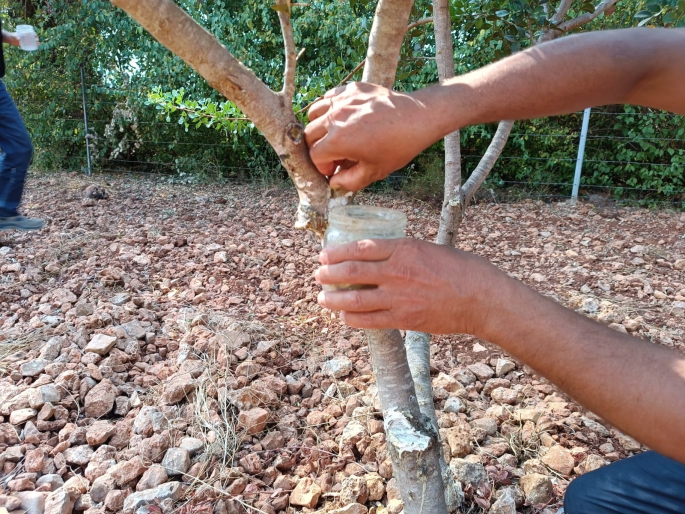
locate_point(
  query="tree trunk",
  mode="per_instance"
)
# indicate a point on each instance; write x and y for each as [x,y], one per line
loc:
[411,438]
[418,343]
[385,41]
[487,161]
[271,112]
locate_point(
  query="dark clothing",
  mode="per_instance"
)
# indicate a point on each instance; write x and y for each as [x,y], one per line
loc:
[15,150]
[648,483]
[15,154]
[2,57]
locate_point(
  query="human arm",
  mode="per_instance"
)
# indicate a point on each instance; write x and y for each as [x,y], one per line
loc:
[635,385]
[378,131]
[11,38]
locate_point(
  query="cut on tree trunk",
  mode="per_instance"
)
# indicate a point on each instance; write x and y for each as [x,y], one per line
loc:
[411,437]
[271,112]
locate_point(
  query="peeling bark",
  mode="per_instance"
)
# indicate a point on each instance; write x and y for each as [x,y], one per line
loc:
[271,112]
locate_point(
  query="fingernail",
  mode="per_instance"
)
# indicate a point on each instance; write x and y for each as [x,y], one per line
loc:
[323,257]
[321,298]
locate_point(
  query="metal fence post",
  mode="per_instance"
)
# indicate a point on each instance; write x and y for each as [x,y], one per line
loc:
[581,154]
[85,119]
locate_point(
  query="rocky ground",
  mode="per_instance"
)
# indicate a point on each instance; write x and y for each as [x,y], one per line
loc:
[161,351]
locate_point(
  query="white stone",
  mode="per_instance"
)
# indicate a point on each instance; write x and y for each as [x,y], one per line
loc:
[39,396]
[504,366]
[22,416]
[170,490]
[176,461]
[192,445]
[338,367]
[51,349]
[33,368]
[101,344]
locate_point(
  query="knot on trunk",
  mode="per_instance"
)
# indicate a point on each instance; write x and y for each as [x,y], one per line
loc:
[295,132]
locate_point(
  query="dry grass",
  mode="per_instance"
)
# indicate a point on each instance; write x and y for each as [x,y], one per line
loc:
[13,348]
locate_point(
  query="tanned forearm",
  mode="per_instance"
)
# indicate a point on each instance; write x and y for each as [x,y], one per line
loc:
[633,66]
[635,385]
[374,131]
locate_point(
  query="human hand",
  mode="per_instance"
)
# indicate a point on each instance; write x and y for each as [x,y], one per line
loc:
[368,131]
[420,286]
[11,38]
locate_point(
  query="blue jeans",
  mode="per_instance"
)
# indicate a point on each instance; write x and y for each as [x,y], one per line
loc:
[16,148]
[647,483]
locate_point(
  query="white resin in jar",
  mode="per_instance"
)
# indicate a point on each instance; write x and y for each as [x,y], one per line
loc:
[350,223]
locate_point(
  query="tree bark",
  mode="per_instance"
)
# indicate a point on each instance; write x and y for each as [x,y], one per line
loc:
[499,140]
[385,41]
[574,23]
[271,112]
[411,438]
[451,212]
[418,343]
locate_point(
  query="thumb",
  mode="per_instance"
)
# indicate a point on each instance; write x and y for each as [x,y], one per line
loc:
[353,178]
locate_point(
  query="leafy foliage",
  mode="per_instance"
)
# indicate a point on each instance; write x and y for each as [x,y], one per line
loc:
[149,112]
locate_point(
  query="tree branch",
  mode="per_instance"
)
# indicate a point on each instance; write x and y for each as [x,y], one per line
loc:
[269,111]
[385,41]
[361,64]
[564,6]
[418,23]
[487,161]
[177,31]
[452,212]
[342,82]
[290,52]
[574,23]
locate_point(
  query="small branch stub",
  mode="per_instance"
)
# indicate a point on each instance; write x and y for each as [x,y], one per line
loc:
[295,132]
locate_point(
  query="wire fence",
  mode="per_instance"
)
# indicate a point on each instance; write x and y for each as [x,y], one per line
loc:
[636,155]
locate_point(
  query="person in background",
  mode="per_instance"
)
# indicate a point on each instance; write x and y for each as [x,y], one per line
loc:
[637,386]
[16,148]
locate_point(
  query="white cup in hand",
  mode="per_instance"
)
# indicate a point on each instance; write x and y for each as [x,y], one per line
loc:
[28,40]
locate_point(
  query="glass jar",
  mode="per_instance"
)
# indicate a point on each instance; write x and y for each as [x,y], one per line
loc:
[350,223]
[28,40]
